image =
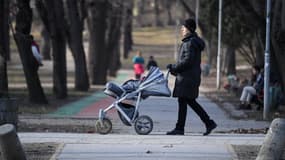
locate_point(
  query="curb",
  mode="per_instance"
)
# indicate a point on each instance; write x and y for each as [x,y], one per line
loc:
[274,142]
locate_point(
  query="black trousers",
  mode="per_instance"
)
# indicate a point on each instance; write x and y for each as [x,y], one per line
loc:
[182,112]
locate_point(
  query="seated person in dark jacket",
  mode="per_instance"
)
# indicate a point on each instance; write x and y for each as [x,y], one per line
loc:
[249,91]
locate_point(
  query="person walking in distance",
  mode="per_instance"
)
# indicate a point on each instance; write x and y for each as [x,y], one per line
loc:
[138,62]
[151,63]
[188,77]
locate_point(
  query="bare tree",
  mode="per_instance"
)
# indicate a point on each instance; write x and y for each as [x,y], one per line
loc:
[168,5]
[4,49]
[98,58]
[46,41]
[141,12]
[57,26]
[128,27]
[23,41]
[114,35]
[277,38]
[76,18]
[45,44]
[157,21]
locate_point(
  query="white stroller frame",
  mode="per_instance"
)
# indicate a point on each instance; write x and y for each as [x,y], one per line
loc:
[103,122]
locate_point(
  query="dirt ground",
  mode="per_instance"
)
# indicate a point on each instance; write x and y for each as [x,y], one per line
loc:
[249,152]
[244,152]
[40,151]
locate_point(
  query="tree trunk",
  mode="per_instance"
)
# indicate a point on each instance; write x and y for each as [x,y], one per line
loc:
[58,36]
[98,57]
[45,33]
[3,76]
[75,41]
[128,40]
[157,20]
[115,62]
[230,61]
[4,10]
[5,28]
[169,15]
[141,10]
[278,38]
[113,38]
[212,51]
[45,44]
[259,52]
[23,41]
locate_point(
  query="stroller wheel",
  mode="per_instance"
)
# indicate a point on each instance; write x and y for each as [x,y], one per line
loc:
[143,125]
[103,127]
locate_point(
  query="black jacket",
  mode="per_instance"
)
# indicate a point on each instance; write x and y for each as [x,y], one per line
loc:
[187,68]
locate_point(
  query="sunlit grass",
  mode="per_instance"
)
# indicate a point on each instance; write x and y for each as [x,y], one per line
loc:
[154,36]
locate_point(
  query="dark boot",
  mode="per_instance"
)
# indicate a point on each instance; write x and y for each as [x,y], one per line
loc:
[209,127]
[248,107]
[175,132]
[241,106]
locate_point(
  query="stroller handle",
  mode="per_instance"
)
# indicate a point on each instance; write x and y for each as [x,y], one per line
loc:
[167,74]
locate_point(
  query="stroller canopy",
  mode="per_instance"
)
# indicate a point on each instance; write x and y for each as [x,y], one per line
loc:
[155,84]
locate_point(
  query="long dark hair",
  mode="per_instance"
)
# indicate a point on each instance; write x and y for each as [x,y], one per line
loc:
[257,68]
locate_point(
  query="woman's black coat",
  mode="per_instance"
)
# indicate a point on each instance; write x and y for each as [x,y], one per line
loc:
[187,69]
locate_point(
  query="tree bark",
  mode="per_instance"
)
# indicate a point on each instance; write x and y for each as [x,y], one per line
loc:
[277,38]
[141,10]
[230,61]
[168,5]
[5,28]
[157,20]
[115,62]
[45,33]
[45,44]
[4,49]
[188,9]
[57,26]
[113,38]
[259,52]
[212,51]
[128,39]
[75,41]
[98,57]
[23,41]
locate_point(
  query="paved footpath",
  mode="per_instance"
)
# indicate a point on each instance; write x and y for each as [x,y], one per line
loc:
[149,147]
[125,144]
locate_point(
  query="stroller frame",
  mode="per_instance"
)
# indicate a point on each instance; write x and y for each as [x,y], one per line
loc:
[102,113]
[135,96]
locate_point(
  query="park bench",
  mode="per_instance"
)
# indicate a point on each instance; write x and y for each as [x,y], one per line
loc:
[275,97]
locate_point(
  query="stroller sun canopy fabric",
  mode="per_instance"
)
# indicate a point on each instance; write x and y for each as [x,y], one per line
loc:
[155,84]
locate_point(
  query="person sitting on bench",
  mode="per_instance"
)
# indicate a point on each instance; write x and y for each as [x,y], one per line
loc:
[249,91]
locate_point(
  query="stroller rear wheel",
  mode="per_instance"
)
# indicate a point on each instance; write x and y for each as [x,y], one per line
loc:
[143,125]
[104,126]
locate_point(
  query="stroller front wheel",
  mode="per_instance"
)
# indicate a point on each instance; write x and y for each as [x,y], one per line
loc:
[103,126]
[143,125]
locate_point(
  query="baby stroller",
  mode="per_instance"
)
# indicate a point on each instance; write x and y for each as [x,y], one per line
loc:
[154,84]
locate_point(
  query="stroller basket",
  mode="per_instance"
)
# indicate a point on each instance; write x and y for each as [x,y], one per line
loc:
[129,110]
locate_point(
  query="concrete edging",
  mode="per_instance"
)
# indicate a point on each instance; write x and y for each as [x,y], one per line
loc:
[274,142]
